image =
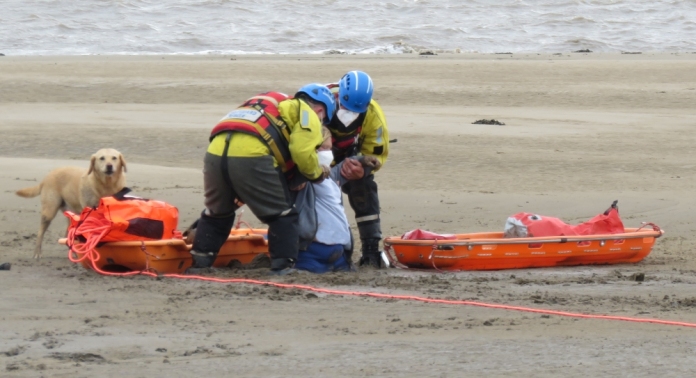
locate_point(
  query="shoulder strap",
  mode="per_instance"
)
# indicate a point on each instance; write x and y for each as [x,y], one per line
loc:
[278,129]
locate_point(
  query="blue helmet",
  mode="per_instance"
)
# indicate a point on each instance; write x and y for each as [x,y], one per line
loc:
[322,95]
[355,91]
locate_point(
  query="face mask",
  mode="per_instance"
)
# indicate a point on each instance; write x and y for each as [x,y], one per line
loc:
[346,116]
[325,158]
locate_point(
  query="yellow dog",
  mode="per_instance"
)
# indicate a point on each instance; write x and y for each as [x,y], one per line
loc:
[72,188]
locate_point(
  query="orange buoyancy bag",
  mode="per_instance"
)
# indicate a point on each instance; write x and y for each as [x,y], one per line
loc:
[127,218]
[533,225]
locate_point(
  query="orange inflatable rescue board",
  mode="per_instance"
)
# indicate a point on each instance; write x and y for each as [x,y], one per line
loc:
[529,241]
[126,233]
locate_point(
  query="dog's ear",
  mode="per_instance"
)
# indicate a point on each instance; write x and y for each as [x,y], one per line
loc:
[91,164]
[123,162]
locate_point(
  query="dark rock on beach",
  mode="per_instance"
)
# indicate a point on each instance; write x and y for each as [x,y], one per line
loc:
[488,122]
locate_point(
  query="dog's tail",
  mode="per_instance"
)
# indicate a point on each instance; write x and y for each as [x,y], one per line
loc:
[29,192]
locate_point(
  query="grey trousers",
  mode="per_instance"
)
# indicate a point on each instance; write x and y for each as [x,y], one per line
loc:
[263,188]
[255,182]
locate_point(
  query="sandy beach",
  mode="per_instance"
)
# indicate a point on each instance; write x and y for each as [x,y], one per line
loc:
[581,130]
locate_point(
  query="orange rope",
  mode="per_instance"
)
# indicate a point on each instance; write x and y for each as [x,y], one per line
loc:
[88,250]
[240,221]
[97,229]
[425,299]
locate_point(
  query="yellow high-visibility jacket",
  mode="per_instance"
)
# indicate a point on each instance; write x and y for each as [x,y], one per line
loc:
[374,136]
[305,137]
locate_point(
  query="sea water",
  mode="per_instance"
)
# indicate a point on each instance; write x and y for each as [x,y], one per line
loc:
[140,27]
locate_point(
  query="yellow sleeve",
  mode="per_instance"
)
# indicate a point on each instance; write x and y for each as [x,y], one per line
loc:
[305,136]
[374,136]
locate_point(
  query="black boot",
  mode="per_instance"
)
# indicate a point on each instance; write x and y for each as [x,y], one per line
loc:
[370,253]
[210,234]
[283,242]
[202,262]
[370,235]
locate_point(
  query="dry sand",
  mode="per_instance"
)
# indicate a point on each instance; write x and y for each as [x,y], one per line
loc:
[581,131]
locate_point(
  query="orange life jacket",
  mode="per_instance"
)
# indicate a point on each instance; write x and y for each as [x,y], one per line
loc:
[259,116]
[129,218]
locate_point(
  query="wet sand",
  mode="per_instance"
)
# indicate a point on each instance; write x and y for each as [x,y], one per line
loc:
[581,130]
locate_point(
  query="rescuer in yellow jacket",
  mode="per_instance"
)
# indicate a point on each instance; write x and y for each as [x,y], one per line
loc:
[359,128]
[259,153]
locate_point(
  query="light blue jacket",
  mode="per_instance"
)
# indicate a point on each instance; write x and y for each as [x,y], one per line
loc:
[305,204]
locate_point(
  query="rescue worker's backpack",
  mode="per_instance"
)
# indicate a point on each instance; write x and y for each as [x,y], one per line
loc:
[127,218]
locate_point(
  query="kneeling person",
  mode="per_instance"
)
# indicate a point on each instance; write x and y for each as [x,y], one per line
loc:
[325,239]
[257,154]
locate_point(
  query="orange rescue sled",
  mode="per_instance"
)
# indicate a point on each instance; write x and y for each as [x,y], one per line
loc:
[490,251]
[172,255]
